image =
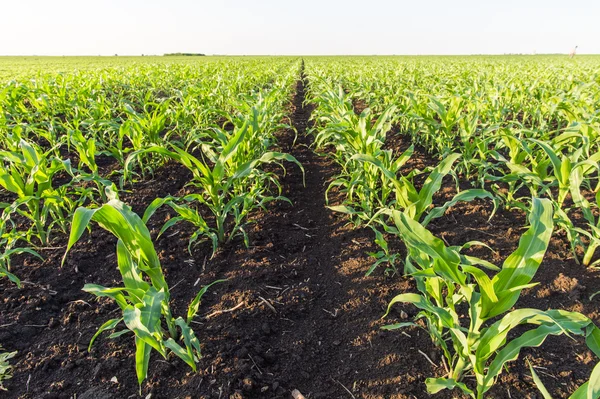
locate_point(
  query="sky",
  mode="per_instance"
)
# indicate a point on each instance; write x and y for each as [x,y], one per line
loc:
[307,27]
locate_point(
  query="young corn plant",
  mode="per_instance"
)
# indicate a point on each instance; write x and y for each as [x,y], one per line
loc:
[442,124]
[367,184]
[355,137]
[417,204]
[28,174]
[5,257]
[593,224]
[572,172]
[356,134]
[523,168]
[149,124]
[473,344]
[334,109]
[144,296]
[86,149]
[5,367]
[548,172]
[475,148]
[146,129]
[114,145]
[565,168]
[230,187]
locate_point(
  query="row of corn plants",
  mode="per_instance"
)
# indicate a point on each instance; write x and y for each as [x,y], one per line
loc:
[56,128]
[516,136]
[530,146]
[372,179]
[217,120]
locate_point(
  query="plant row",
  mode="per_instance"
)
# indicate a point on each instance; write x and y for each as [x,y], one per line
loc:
[530,146]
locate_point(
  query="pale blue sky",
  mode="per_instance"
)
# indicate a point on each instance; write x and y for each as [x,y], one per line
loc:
[81,27]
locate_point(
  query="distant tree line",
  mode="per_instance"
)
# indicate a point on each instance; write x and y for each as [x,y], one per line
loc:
[185,54]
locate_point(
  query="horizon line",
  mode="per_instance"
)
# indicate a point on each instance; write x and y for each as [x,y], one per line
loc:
[289,55]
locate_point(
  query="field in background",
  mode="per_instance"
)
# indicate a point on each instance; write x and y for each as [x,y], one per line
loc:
[12,67]
[18,67]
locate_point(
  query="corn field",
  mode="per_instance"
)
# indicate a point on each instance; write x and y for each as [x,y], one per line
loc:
[319,227]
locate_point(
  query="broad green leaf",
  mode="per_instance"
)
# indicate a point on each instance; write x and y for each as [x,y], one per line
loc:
[435,385]
[520,267]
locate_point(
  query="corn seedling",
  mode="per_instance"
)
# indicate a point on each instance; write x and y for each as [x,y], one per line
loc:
[232,187]
[144,305]
[447,279]
[28,174]
[5,367]
[5,260]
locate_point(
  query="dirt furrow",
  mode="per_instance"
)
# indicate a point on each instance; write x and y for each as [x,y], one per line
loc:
[319,332]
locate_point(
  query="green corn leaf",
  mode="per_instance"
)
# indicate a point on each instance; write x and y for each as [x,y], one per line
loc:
[520,267]
[418,237]
[195,304]
[593,384]
[233,143]
[592,339]
[420,302]
[132,316]
[510,352]
[561,171]
[190,353]
[434,182]
[375,161]
[183,354]
[81,219]
[119,333]
[403,158]
[539,384]
[153,207]
[435,385]
[5,273]
[495,335]
[189,338]
[132,279]
[114,293]
[485,284]
[399,326]
[463,196]
[142,359]
[12,183]
[108,325]
[471,260]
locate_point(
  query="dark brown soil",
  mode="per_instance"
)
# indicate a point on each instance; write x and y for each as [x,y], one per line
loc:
[309,319]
